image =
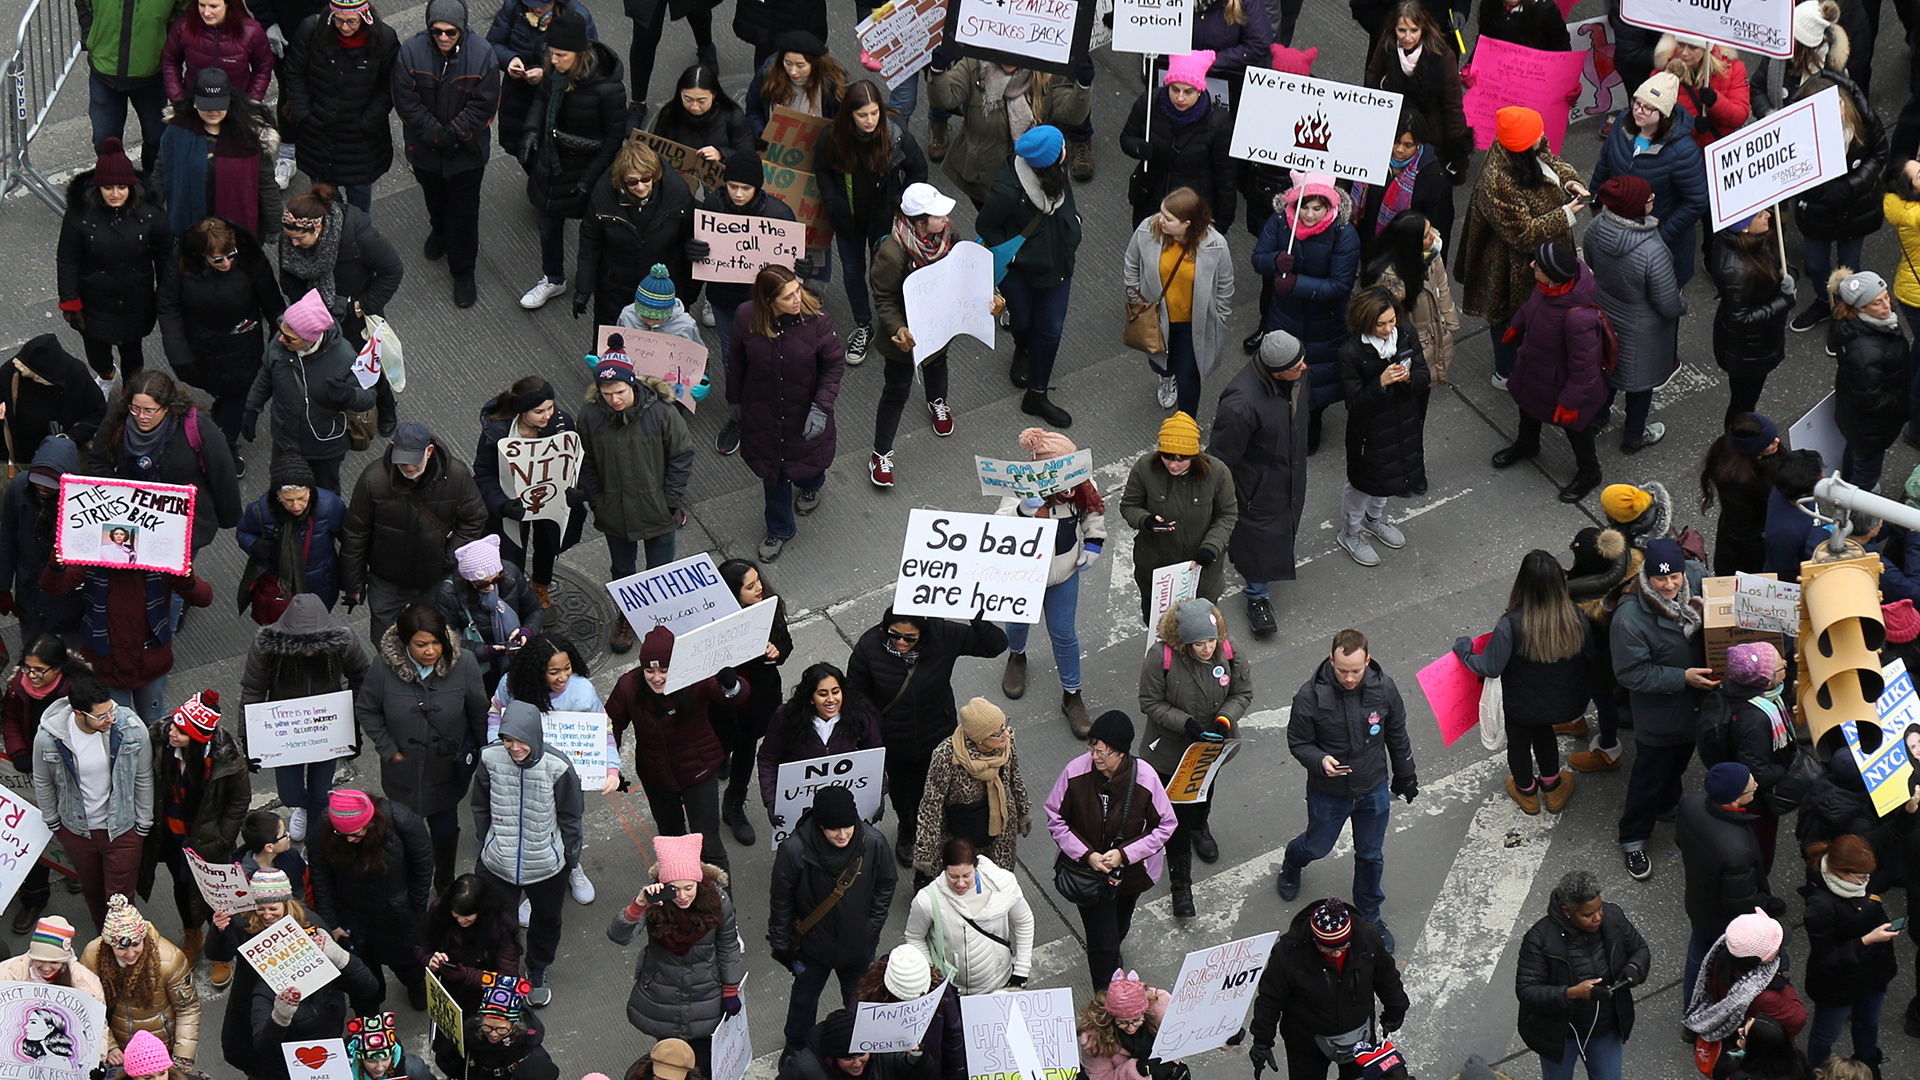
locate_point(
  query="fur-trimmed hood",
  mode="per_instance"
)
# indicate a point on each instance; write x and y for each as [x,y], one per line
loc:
[1611,545]
[1655,521]
[661,388]
[306,626]
[394,654]
[1170,627]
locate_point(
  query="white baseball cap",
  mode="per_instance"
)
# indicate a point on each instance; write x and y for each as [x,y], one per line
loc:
[924,199]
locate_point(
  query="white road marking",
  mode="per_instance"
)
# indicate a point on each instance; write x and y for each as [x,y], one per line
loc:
[1423,508]
[1686,381]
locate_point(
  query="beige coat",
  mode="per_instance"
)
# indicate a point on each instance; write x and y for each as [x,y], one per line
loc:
[1435,318]
[173,1016]
[16,969]
[985,141]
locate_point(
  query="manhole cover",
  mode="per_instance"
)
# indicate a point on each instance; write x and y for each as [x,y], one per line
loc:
[583,612]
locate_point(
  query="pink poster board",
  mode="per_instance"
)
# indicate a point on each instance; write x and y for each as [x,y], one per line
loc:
[1453,692]
[1508,74]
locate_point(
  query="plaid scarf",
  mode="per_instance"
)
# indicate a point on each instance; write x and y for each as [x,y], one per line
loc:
[921,250]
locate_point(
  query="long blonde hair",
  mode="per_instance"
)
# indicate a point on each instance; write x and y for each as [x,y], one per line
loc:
[1697,75]
[1551,628]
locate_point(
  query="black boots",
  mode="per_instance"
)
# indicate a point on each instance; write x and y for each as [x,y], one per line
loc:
[1180,874]
[1035,403]
[734,814]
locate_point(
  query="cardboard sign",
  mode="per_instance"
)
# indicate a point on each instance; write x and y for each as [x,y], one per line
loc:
[1766,603]
[950,297]
[739,246]
[1211,997]
[1760,26]
[902,35]
[223,884]
[1040,1022]
[1720,627]
[801,192]
[299,730]
[679,596]
[793,139]
[445,1014]
[1602,90]
[729,641]
[685,160]
[1315,125]
[1508,74]
[1170,586]
[538,472]
[897,1026]
[317,1059]
[1193,781]
[732,1049]
[23,836]
[49,1032]
[583,737]
[1888,767]
[1157,27]
[126,524]
[285,956]
[1045,35]
[796,781]
[672,359]
[1453,692]
[1799,147]
[956,565]
[1035,479]
[1819,431]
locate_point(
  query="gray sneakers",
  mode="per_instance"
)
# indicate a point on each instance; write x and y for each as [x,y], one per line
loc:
[1385,532]
[1355,544]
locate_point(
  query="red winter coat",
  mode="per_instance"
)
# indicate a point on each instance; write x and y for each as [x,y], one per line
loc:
[1732,97]
[675,749]
[1559,359]
[238,47]
[775,381]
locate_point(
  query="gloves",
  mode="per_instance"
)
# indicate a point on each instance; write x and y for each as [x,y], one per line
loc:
[1204,557]
[1391,1024]
[1788,288]
[253,765]
[577,496]
[263,547]
[816,423]
[1262,1057]
[1083,71]
[250,425]
[1406,787]
[728,680]
[1017,980]
[867,61]
[6,602]
[277,40]
[1142,1068]
[1207,730]
[730,1004]
[1283,284]
[580,304]
[75,318]
[1088,553]
[804,267]
[941,60]
[1283,263]
[23,762]
[513,509]
[1030,506]
[1156,523]
[778,821]
[786,957]
[1564,417]
[527,143]
[698,249]
[335,955]
[1708,96]
[678,515]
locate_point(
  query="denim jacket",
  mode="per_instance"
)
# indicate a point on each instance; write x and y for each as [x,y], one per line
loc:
[56,780]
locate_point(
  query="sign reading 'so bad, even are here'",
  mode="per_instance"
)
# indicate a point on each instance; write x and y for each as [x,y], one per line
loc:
[956,565]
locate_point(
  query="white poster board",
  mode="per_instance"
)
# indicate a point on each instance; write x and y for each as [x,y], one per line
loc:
[1819,431]
[20,787]
[1212,995]
[583,737]
[1799,147]
[1763,603]
[954,565]
[284,956]
[1157,27]
[538,472]
[126,524]
[49,1032]
[679,596]
[1039,1021]
[1034,479]
[223,884]
[1758,26]
[896,1026]
[732,1049]
[23,836]
[1170,586]
[738,246]
[902,35]
[728,641]
[951,297]
[794,785]
[1315,125]
[317,1059]
[299,730]
[1039,34]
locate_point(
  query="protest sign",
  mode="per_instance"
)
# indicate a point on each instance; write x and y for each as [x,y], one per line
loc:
[1884,753]
[793,139]
[1764,603]
[299,730]
[1508,74]
[283,955]
[1211,996]
[583,737]
[126,524]
[49,1032]
[801,192]
[1040,1022]
[1453,692]
[950,297]
[538,472]
[1760,26]
[1199,766]
[679,596]
[672,359]
[1157,27]
[23,836]
[685,160]
[1102,33]
[1819,431]
[1315,125]
[1045,35]
[796,781]
[956,565]
[445,1014]
[1602,90]
[732,1048]
[317,1059]
[1170,586]
[738,246]
[1799,147]
[729,641]
[901,35]
[1034,479]
[223,884]
[896,1026]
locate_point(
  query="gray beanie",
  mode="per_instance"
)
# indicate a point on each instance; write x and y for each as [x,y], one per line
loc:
[1860,289]
[451,12]
[1196,621]
[1279,351]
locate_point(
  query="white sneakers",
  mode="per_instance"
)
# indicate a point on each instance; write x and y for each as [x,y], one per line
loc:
[542,291]
[582,887]
[1169,392]
[297,825]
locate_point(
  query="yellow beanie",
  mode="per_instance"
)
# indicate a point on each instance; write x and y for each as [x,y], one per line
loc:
[1624,502]
[1179,435]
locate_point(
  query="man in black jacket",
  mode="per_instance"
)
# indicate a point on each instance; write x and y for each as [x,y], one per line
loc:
[1348,724]
[410,510]
[446,90]
[1319,987]
[1722,859]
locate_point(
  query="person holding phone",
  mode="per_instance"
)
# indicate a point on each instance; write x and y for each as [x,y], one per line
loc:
[1850,954]
[1575,978]
[1182,506]
[1384,372]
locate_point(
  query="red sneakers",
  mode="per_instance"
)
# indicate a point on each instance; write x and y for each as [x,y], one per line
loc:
[880,466]
[942,417]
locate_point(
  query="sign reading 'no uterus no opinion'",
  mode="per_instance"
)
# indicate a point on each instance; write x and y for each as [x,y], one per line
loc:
[1315,125]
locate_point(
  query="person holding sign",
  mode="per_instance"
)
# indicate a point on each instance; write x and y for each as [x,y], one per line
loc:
[701,115]
[374,1049]
[468,932]
[974,792]
[1033,200]
[997,103]
[1117,1028]
[93,783]
[974,922]
[1078,540]
[904,975]
[41,679]
[147,984]
[501,1042]
[1312,255]
[819,718]
[687,979]
[636,218]
[1180,136]
[308,651]
[201,791]
[829,1055]
[127,632]
[1180,503]
[798,74]
[749,587]
[1652,141]
[1713,84]
[160,435]
[48,958]
[741,194]
[865,161]
[525,410]
[1177,247]
[1413,57]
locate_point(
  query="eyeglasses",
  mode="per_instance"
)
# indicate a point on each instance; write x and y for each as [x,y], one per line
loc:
[36,671]
[1104,752]
[909,639]
[99,718]
[222,260]
[450,32]
[141,410]
[638,182]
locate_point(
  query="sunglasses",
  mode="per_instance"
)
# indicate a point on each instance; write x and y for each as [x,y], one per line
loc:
[895,635]
[1175,457]
[222,260]
[448,33]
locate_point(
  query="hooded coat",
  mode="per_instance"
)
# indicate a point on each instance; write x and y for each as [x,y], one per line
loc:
[405,530]
[1193,155]
[44,385]
[447,101]
[915,700]
[1326,266]
[514,36]
[1558,362]
[960,945]
[1260,435]
[1212,303]
[1506,224]
[207,468]
[338,99]
[1364,728]
[437,723]
[1651,655]
[676,995]
[225,797]
[574,139]
[319,538]
[526,814]
[1840,968]
[1636,277]
[1871,400]
[1386,425]
[1555,956]
[621,240]
[1176,689]
[775,381]
[1202,506]
[1303,995]
[382,905]
[311,396]
[1677,171]
[1750,322]
[25,547]
[723,127]
[1724,865]
[108,260]
[307,651]
[214,324]
[637,463]
[983,144]
[804,872]
[1849,206]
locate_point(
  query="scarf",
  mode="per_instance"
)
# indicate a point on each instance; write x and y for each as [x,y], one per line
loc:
[1839,886]
[1001,90]
[1771,705]
[921,250]
[140,450]
[506,621]
[1718,1020]
[1383,345]
[549,145]
[1681,609]
[95,587]
[986,769]
[685,931]
[1890,324]
[1398,193]
[1302,232]
[26,687]
[1182,117]
[315,265]
[294,542]
[1410,59]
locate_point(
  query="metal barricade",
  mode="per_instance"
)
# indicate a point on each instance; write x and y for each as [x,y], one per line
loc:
[45,49]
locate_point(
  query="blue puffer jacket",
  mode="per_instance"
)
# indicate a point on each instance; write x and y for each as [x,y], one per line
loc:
[1677,172]
[319,536]
[1327,263]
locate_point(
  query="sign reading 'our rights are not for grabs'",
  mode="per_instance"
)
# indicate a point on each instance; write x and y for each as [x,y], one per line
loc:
[1211,996]
[956,565]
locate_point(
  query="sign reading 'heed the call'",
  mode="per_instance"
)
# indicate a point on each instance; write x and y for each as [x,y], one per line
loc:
[958,565]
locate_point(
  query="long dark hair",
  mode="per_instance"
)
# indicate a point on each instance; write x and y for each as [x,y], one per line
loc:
[1756,254]
[796,716]
[527,677]
[368,856]
[1431,36]
[1523,166]
[1729,470]
[157,385]
[1402,245]
[846,150]
[481,944]
[1770,1051]
[697,77]
[1551,628]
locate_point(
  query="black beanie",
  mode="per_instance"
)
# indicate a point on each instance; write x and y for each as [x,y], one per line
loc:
[836,1032]
[833,808]
[567,32]
[1114,728]
[291,470]
[1557,260]
[798,41]
[743,167]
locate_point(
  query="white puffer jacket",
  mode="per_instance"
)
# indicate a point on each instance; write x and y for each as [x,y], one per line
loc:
[976,963]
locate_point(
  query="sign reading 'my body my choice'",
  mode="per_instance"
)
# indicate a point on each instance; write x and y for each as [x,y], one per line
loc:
[1315,125]
[1799,147]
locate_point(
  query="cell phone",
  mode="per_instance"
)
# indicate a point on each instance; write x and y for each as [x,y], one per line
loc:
[1342,769]
[1898,924]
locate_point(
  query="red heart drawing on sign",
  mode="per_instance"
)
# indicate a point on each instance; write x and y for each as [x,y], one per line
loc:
[312,1056]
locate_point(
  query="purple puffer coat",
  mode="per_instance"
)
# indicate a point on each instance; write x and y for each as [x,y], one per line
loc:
[1559,359]
[237,46]
[775,381]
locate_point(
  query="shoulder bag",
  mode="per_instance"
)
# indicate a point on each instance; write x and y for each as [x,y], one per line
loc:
[840,886]
[1081,885]
[1142,329]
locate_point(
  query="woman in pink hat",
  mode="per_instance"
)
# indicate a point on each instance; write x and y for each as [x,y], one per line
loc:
[687,979]
[1311,253]
[371,862]
[1117,1029]
[1179,134]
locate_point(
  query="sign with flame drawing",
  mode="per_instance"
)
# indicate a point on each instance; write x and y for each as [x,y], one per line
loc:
[1315,125]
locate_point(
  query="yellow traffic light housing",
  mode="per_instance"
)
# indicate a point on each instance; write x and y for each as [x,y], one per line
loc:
[1841,635]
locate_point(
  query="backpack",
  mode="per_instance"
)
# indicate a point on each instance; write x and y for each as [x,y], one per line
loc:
[193,437]
[1609,341]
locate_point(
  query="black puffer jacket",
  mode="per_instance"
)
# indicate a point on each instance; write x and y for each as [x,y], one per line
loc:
[722,127]
[52,387]
[25,546]
[512,37]
[1840,968]
[804,872]
[1750,324]
[570,151]
[109,260]
[446,103]
[912,723]
[1848,207]
[1536,693]
[1536,24]
[381,906]
[907,165]
[1870,383]
[404,530]
[209,469]
[1748,739]
[1302,994]
[1386,438]
[1365,728]
[1723,863]
[205,315]
[1434,91]
[1553,958]
[620,240]
[1192,156]
[339,99]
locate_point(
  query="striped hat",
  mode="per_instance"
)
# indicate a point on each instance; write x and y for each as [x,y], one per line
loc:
[270,886]
[1332,925]
[199,716]
[351,7]
[125,927]
[655,297]
[52,941]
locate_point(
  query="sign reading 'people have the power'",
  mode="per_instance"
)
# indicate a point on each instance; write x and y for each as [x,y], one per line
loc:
[1314,125]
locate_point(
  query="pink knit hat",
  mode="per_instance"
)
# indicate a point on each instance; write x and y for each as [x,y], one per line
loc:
[1306,185]
[1126,995]
[1043,444]
[308,316]
[1903,623]
[1752,663]
[1190,69]
[479,559]
[679,857]
[349,810]
[146,1055]
[1756,936]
